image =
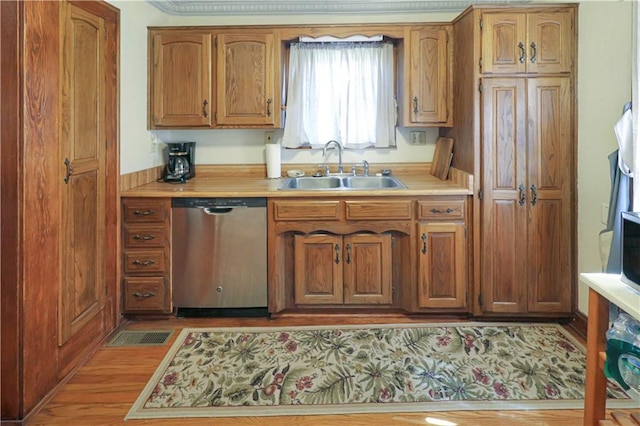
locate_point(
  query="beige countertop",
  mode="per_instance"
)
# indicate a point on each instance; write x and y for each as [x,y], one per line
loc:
[237,181]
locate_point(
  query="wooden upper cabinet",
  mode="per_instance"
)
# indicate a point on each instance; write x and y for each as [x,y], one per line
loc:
[429,93]
[538,42]
[246,75]
[180,79]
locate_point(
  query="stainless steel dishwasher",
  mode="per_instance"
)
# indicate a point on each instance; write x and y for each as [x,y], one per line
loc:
[219,252]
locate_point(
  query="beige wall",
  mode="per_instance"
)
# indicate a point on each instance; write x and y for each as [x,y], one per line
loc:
[603,87]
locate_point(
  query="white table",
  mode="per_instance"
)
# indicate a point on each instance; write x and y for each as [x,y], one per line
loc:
[603,288]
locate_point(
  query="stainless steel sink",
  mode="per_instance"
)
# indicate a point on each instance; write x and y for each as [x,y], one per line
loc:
[372,182]
[342,183]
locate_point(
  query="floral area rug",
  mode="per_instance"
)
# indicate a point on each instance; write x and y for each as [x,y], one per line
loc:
[356,369]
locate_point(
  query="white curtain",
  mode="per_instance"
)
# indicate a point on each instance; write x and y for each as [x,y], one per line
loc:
[340,91]
[635,102]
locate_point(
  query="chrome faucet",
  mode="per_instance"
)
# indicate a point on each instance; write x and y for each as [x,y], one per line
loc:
[340,148]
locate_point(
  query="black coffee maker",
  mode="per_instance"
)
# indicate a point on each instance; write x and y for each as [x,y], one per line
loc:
[181,165]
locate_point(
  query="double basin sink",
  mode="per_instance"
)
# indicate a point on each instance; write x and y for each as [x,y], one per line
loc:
[349,182]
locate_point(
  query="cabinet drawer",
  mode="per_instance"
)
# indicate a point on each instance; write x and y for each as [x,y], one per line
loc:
[145,294]
[441,209]
[144,236]
[306,210]
[144,261]
[143,210]
[380,210]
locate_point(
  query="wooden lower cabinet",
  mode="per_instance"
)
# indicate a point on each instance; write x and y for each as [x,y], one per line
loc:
[351,269]
[442,281]
[146,257]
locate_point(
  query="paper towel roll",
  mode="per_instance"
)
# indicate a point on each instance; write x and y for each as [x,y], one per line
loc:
[273,160]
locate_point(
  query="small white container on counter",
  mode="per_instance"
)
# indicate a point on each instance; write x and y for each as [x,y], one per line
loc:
[273,158]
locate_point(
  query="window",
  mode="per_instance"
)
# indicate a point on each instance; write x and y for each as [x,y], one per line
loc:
[340,91]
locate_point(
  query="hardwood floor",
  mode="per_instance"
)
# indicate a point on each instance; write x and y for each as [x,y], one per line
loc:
[103,390]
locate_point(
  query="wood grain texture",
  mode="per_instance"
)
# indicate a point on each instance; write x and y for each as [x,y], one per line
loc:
[104,389]
[142,177]
[367,269]
[442,158]
[10,210]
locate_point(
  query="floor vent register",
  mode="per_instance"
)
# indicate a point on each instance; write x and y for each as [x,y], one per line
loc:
[140,338]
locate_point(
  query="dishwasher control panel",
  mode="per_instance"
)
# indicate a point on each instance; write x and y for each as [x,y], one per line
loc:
[218,202]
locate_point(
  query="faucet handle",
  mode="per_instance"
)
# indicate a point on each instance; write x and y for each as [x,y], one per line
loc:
[325,169]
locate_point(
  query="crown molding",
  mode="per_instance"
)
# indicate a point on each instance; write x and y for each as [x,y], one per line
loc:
[305,7]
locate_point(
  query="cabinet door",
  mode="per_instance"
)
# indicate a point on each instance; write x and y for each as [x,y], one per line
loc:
[503,207]
[549,197]
[367,269]
[504,40]
[441,265]
[549,42]
[181,84]
[246,79]
[83,138]
[318,269]
[429,100]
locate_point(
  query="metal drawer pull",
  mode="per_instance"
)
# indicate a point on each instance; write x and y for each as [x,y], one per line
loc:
[143,262]
[269,107]
[67,164]
[143,237]
[424,243]
[348,254]
[144,213]
[447,210]
[522,196]
[144,295]
[522,52]
[534,195]
[415,105]
[337,248]
[204,108]
[534,52]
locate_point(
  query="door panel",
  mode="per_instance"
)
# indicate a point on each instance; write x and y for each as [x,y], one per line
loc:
[549,198]
[83,141]
[504,214]
[441,265]
[318,269]
[246,79]
[182,83]
[503,42]
[367,269]
[549,42]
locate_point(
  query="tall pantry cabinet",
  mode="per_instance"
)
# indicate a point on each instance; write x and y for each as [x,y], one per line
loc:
[515,130]
[59,163]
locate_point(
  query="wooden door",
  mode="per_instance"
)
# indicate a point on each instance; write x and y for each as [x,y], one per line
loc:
[503,207]
[549,42]
[367,269]
[180,77]
[441,265]
[318,269]
[246,79]
[83,142]
[504,49]
[550,168]
[429,76]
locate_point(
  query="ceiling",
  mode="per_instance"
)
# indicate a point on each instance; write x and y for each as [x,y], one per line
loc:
[304,7]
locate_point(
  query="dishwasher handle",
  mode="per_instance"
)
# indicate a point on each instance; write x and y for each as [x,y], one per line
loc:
[215,211]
